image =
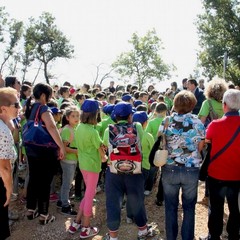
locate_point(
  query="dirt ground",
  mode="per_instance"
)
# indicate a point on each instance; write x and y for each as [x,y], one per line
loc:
[23,229]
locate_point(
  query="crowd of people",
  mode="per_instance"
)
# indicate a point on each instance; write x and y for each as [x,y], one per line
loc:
[102,135]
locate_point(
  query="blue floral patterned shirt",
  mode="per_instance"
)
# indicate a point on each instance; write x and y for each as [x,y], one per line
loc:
[183,134]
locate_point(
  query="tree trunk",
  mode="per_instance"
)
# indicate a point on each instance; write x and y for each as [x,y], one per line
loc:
[46,73]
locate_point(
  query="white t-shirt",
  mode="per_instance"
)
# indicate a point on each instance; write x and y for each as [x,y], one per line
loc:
[7,149]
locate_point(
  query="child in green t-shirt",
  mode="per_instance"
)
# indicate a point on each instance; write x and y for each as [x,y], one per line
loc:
[72,116]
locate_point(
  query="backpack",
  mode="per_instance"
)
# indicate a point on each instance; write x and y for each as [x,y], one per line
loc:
[212,114]
[124,149]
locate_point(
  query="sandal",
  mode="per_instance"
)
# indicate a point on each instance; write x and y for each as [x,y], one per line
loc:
[33,214]
[47,219]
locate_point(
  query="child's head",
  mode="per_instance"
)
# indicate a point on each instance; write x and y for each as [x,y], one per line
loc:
[140,117]
[161,108]
[90,109]
[57,114]
[72,115]
[80,97]
[64,91]
[122,111]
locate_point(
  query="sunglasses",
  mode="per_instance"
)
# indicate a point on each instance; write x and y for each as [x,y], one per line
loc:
[16,105]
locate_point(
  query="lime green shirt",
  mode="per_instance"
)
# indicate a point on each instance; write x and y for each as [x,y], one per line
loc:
[88,142]
[101,127]
[217,107]
[153,126]
[68,136]
[147,144]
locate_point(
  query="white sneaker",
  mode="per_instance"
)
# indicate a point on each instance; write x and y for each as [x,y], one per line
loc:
[147,192]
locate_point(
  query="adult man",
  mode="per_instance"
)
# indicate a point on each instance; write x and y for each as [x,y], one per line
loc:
[192,86]
[111,88]
[223,172]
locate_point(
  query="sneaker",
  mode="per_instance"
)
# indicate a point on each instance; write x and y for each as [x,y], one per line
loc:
[88,232]
[158,203]
[59,204]
[147,192]
[53,197]
[68,211]
[150,233]
[74,227]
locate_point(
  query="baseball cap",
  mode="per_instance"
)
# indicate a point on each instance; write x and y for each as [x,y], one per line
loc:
[140,117]
[126,97]
[137,103]
[122,109]
[55,110]
[107,109]
[90,105]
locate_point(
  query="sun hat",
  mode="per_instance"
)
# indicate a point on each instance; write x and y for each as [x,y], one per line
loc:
[140,117]
[90,105]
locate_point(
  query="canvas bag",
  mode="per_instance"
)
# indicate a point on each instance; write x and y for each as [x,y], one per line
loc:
[124,149]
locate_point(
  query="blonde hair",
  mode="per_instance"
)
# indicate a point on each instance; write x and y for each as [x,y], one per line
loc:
[6,93]
[215,89]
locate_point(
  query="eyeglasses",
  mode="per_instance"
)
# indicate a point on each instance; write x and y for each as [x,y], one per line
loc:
[16,105]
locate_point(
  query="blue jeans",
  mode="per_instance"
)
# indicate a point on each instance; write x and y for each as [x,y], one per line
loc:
[174,178]
[68,172]
[116,186]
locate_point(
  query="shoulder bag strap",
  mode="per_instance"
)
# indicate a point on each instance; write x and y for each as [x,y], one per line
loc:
[226,146]
[36,120]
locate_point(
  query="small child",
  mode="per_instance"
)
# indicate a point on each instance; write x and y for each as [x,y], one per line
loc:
[90,153]
[69,164]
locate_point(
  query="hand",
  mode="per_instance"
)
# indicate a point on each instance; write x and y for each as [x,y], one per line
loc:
[61,154]
[8,196]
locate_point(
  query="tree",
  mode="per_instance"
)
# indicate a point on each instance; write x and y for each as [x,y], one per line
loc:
[219,34]
[46,42]
[143,62]
[11,32]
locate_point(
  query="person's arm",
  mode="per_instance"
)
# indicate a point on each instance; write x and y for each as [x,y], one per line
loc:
[52,129]
[6,174]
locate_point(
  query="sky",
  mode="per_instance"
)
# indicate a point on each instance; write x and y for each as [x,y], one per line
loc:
[99,30]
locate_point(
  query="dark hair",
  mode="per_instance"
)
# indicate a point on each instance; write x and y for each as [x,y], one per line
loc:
[24,88]
[161,107]
[141,94]
[27,83]
[10,81]
[89,117]
[111,97]
[65,105]
[128,88]
[63,89]
[38,90]
[118,118]
[87,86]
[193,81]
[52,103]
[67,113]
[79,96]
[67,84]
[136,94]
[141,108]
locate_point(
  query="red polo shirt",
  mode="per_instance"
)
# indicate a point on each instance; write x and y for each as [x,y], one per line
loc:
[219,132]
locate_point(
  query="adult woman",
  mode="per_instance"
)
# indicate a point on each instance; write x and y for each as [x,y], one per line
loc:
[9,107]
[185,139]
[13,82]
[214,94]
[42,162]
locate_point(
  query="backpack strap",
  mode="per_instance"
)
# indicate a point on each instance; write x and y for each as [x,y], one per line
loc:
[211,108]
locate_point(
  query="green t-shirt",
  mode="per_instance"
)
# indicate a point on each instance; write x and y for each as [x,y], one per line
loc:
[101,127]
[147,144]
[217,107]
[69,136]
[88,142]
[153,126]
